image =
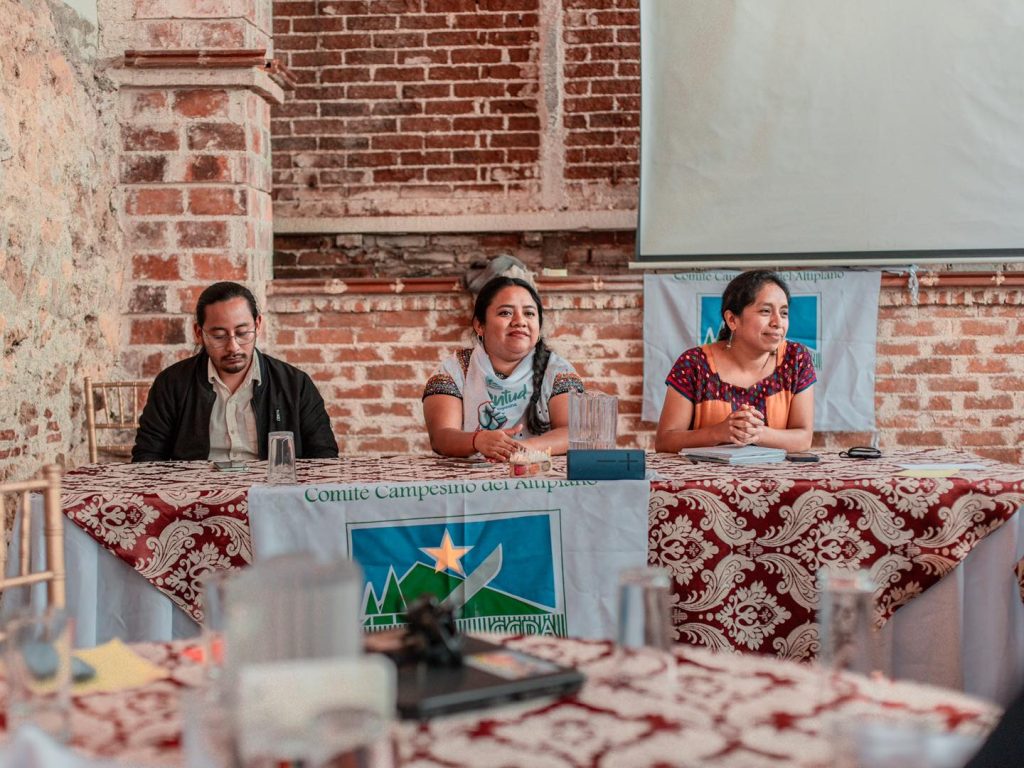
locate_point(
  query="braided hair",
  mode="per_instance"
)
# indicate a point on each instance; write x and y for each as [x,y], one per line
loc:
[541,352]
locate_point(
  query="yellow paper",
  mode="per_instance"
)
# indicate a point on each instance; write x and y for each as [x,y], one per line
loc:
[948,472]
[118,668]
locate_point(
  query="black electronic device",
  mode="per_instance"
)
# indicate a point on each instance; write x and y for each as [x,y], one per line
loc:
[489,675]
[442,671]
[802,456]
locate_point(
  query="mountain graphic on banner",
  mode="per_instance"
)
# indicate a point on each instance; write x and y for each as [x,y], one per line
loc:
[420,579]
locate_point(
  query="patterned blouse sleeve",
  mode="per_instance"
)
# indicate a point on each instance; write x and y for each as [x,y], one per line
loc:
[561,376]
[441,384]
[804,375]
[683,377]
[566,381]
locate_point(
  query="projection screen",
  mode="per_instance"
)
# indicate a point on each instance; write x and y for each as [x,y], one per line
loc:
[831,127]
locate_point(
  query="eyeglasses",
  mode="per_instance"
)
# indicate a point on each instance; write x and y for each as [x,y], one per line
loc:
[220,339]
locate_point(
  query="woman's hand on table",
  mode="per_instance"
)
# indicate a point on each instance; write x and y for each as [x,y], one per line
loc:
[496,444]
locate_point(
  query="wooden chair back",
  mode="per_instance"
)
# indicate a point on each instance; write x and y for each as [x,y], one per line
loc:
[113,407]
[17,496]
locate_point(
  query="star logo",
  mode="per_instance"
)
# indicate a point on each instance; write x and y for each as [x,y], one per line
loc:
[446,556]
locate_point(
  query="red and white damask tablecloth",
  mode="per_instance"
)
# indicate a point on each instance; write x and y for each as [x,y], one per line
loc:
[743,544]
[719,711]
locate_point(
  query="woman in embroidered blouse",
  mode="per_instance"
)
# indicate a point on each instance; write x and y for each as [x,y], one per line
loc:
[749,387]
[509,385]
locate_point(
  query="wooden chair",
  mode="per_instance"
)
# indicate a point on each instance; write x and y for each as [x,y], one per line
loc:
[20,494]
[114,406]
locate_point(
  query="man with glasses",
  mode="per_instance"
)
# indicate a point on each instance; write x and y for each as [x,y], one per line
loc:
[221,403]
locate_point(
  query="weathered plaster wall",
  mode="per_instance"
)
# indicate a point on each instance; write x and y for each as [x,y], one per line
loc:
[60,251]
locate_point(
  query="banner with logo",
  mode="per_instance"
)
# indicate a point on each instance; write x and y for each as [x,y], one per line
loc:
[833,313]
[539,556]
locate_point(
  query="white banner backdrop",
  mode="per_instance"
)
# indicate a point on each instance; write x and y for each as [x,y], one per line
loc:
[531,556]
[833,313]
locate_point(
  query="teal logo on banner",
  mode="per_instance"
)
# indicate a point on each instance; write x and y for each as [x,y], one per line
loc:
[502,566]
[804,322]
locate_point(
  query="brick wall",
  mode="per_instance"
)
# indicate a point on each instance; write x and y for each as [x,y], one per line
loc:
[950,368]
[195,183]
[448,107]
[60,254]
[195,161]
[432,254]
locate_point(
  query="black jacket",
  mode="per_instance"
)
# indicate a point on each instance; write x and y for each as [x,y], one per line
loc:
[175,424]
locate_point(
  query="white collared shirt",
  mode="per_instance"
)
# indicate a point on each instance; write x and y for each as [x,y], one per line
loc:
[232,420]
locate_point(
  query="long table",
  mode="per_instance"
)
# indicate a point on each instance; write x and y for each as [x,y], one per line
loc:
[743,545]
[712,710]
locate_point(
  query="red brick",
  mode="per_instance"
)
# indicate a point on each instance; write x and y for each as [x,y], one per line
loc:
[208,168]
[987,438]
[202,234]
[201,103]
[158,330]
[218,266]
[154,202]
[1007,383]
[227,136]
[344,336]
[982,328]
[989,365]
[218,201]
[400,410]
[390,373]
[409,391]
[958,347]
[298,355]
[1015,347]
[371,22]
[927,365]
[147,234]
[141,169]
[148,299]
[362,392]
[994,403]
[1006,455]
[155,267]
[920,438]
[397,175]
[149,139]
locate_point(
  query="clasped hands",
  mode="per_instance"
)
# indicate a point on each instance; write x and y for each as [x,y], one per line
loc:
[744,426]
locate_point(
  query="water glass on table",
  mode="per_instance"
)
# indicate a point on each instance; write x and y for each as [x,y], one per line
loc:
[281,459]
[283,614]
[846,615]
[38,659]
[593,421]
[645,625]
[213,595]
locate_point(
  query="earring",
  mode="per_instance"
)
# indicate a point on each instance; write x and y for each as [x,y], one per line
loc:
[480,338]
[728,342]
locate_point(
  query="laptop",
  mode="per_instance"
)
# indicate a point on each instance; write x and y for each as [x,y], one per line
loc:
[491,674]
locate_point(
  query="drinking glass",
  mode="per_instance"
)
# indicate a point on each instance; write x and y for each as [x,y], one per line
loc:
[38,658]
[351,737]
[214,600]
[846,621]
[281,459]
[644,612]
[285,614]
[593,421]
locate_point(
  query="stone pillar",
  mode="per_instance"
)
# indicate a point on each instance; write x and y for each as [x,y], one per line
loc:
[196,82]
